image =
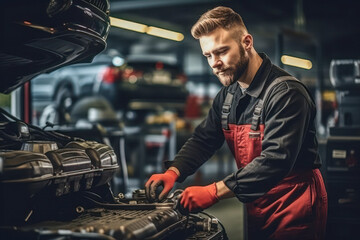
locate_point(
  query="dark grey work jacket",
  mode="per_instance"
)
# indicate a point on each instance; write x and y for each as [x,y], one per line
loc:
[289,142]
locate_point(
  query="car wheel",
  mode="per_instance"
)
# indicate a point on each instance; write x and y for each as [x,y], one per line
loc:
[64,97]
[49,115]
[64,101]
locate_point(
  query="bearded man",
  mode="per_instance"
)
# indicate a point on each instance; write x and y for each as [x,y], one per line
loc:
[266,116]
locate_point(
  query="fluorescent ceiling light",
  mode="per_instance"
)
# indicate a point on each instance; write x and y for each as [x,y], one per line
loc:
[159,32]
[142,28]
[296,62]
[133,26]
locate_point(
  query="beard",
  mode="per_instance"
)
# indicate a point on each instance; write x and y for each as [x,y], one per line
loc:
[231,74]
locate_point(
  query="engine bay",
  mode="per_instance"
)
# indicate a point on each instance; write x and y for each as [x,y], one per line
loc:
[54,186]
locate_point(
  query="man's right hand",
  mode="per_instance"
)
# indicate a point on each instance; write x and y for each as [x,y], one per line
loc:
[167,180]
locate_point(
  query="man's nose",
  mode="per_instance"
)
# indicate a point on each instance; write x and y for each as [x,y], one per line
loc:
[216,63]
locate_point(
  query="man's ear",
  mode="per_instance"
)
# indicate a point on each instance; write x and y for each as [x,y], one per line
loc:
[247,42]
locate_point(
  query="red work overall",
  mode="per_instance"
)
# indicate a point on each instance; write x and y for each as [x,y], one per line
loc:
[296,208]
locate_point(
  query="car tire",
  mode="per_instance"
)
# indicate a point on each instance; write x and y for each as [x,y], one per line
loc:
[64,100]
[64,97]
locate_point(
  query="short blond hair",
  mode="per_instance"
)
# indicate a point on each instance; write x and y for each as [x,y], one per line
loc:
[223,17]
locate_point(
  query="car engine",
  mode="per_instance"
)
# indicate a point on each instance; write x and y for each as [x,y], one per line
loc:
[54,186]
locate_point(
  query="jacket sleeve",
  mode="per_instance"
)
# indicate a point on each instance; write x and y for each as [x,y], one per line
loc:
[203,143]
[287,116]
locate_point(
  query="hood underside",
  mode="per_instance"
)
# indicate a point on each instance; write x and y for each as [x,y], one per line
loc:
[43,35]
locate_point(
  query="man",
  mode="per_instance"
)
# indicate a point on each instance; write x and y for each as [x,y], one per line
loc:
[267,118]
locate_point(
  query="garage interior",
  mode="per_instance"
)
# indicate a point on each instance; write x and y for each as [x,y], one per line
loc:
[147,127]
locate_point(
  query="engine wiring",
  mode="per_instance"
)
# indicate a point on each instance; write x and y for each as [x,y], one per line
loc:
[9,132]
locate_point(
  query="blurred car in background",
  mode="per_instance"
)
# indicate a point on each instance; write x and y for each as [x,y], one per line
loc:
[137,84]
[68,84]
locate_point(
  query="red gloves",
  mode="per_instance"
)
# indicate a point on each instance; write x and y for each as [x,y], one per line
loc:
[198,198]
[167,180]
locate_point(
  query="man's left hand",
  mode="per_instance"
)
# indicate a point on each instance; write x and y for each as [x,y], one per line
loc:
[197,198]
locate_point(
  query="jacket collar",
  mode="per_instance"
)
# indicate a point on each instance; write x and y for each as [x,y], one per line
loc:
[260,78]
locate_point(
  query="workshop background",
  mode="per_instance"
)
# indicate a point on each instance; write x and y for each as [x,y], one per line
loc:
[147,91]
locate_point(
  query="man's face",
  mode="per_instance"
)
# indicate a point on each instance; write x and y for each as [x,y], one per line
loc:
[226,56]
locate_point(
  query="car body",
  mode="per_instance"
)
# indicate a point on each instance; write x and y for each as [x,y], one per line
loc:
[56,186]
[132,83]
[40,36]
[69,83]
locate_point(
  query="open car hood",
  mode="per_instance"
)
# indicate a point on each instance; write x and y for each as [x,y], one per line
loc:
[42,35]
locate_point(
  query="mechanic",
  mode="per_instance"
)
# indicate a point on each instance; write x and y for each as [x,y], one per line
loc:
[267,118]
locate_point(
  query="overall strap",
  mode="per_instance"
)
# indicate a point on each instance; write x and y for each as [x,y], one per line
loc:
[259,106]
[227,106]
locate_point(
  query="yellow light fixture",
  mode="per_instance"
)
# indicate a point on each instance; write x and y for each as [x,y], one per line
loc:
[133,26]
[142,28]
[159,32]
[328,95]
[296,62]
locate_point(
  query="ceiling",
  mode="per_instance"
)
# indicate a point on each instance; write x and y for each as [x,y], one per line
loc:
[332,25]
